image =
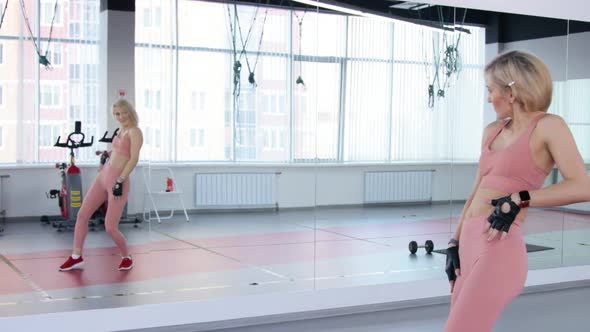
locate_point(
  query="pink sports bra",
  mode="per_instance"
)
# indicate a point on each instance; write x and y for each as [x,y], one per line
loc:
[512,168]
[122,146]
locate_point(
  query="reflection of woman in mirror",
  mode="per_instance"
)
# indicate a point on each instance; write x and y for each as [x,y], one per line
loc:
[112,185]
[487,257]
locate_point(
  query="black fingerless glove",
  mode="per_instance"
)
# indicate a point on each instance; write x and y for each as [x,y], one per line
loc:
[118,189]
[503,220]
[103,157]
[453,262]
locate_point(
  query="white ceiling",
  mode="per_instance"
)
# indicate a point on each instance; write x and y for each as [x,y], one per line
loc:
[578,10]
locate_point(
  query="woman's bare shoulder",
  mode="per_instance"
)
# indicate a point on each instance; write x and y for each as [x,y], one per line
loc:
[551,125]
[135,131]
[549,119]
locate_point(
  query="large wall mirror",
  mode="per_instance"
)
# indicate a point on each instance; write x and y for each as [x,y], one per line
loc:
[301,147]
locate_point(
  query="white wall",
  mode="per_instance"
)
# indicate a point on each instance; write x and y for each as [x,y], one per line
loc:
[298,186]
[578,45]
[552,50]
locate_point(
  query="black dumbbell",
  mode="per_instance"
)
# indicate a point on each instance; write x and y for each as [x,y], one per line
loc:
[428,245]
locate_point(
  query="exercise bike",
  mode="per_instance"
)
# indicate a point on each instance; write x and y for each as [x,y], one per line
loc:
[70,194]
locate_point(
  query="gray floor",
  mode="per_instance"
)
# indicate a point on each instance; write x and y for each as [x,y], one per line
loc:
[565,310]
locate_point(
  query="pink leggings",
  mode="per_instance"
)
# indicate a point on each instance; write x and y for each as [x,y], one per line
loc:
[100,191]
[493,273]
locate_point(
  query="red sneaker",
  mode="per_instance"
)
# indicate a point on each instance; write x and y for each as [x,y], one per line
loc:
[126,264]
[72,264]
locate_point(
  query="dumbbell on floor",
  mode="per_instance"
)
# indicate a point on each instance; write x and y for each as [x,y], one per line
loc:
[428,245]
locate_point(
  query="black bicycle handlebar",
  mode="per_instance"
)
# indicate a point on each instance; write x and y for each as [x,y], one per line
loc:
[106,139]
[72,143]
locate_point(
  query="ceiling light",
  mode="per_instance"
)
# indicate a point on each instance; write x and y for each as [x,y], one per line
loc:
[325,5]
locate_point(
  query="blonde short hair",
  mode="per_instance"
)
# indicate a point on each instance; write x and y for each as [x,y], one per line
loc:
[527,76]
[132,113]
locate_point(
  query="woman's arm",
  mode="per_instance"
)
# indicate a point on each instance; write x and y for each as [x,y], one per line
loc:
[575,186]
[136,138]
[457,233]
[488,131]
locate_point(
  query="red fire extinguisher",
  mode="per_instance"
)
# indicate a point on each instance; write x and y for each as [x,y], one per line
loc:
[169,184]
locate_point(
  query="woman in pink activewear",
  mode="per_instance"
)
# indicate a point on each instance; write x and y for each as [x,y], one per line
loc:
[486,257]
[112,185]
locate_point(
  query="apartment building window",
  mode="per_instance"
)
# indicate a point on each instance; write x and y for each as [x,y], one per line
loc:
[74,71]
[152,17]
[48,9]
[197,137]
[54,54]
[47,134]
[275,103]
[50,95]
[157,138]
[75,112]
[198,101]
[274,139]
[74,29]
[152,99]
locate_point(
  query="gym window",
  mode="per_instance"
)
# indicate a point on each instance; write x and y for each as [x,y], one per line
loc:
[69,92]
[369,102]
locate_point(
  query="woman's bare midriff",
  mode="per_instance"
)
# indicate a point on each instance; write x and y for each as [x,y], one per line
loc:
[117,160]
[481,203]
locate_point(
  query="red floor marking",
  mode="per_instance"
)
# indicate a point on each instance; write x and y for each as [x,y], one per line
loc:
[11,282]
[103,269]
[536,222]
[439,240]
[267,239]
[405,228]
[145,248]
[301,252]
[163,245]
[554,221]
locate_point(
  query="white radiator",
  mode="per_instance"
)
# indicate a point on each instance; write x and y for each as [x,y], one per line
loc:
[399,186]
[236,190]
